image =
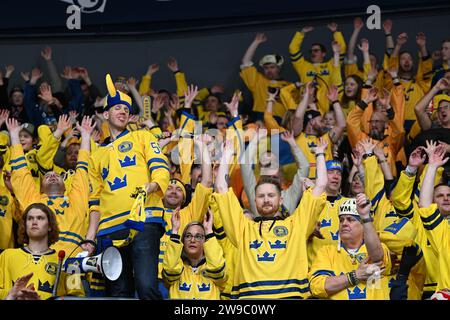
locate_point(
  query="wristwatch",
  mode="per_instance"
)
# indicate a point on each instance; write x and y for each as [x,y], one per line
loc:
[367,220]
[366,155]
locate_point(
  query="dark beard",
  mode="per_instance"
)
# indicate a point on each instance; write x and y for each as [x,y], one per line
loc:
[376,135]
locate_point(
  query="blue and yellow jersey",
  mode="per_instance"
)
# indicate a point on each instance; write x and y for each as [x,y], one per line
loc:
[194,211]
[203,281]
[70,209]
[329,228]
[406,207]
[308,71]
[258,85]
[272,257]
[307,144]
[16,263]
[437,230]
[9,211]
[39,160]
[331,262]
[117,168]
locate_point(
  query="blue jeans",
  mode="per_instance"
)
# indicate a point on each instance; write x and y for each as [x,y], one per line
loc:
[140,264]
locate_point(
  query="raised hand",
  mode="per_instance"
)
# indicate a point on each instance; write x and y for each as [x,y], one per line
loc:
[332,26]
[172,64]
[14,129]
[63,123]
[152,69]
[307,29]
[36,74]
[336,47]
[176,221]
[437,157]
[45,93]
[157,104]
[288,136]
[260,38]
[86,127]
[190,95]
[367,145]
[357,155]
[132,82]
[84,74]
[228,151]
[96,136]
[385,99]
[442,84]
[417,158]
[46,53]
[364,46]
[371,95]
[363,205]
[233,105]
[25,76]
[9,70]
[208,222]
[333,94]
[387,26]
[321,146]
[4,114]
[436,55]
[135,118]
[402,38]
[421,39]
[73,115]
[174,102]
[430,147]
[358,23]
[379,152]
[67,73]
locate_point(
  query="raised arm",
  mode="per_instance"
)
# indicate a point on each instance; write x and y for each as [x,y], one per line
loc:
[321,168]
[421,106]
[401,40]
[341,123]
[247,59]
[55,80]
[436,158]
[221,185]
[371,239]
[387,28]
[301,109]
[358,24]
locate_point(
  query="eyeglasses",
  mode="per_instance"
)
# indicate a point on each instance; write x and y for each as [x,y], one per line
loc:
[444,107]
[197,237]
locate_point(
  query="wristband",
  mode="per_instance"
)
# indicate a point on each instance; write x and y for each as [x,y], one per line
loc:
[388,34]
[382,161]
[320,154]
[335,101]
[367,220]
[366,155]
[352,279]
[362,104]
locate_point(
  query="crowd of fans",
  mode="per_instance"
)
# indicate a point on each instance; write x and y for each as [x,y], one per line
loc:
[332,187]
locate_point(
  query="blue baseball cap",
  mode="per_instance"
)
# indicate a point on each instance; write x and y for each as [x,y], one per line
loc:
[334,165]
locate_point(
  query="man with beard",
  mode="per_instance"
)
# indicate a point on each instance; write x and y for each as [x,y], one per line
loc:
[271,262]
[414,85]
[311,127]
[391,143]
[70,208]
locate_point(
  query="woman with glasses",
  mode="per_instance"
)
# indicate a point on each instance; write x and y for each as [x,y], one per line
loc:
[194,266]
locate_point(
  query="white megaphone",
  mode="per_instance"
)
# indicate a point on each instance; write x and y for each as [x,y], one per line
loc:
[108,263]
